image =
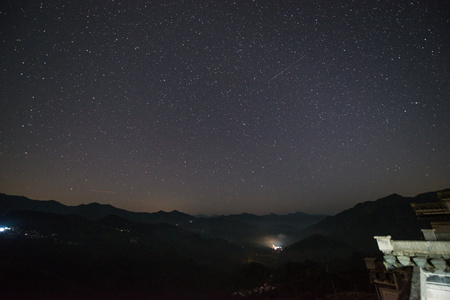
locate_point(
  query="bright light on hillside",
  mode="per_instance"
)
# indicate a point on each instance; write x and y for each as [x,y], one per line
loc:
[3,229]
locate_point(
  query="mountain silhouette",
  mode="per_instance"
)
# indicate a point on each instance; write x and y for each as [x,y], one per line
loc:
[355,227]
[391,215]
[92,211]
[242,229]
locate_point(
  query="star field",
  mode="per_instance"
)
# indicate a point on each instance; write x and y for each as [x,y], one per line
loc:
[220,107]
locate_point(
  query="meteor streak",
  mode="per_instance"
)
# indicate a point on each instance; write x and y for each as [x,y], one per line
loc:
[286,68]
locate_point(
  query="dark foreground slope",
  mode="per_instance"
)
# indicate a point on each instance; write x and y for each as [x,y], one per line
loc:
[57,256]
[317,248]
[50,256]
[356,227]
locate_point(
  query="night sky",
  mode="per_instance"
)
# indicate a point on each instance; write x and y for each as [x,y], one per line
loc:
[219,107]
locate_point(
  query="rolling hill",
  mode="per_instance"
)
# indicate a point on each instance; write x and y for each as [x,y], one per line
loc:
[391,215]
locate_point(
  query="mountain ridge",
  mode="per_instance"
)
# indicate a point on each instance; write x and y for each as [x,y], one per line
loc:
[355,226]
[390,215]
[98,211]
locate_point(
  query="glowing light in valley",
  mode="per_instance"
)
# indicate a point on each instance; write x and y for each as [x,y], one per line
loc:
[276,242]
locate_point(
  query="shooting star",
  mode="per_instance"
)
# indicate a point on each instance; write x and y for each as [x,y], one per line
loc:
[295,62]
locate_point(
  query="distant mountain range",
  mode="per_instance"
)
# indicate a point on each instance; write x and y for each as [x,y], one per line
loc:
[242,229]
[159,239]
[351,230]
[93,211]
